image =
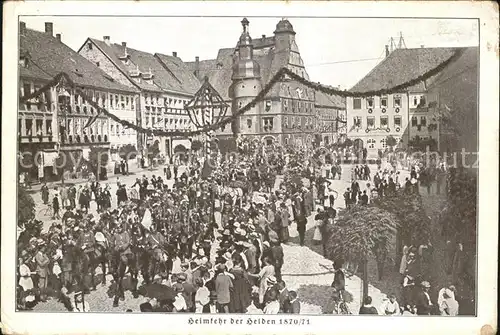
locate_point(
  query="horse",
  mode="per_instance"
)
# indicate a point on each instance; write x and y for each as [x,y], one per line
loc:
[121,262]
[86,263]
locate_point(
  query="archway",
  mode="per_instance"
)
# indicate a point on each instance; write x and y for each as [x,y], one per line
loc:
[180,149]
[358,144]
[268,140]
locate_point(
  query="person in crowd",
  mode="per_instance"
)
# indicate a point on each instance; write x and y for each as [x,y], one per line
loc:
[367,307]
[45,193]
[273,305]
[211,307]
[55,206]
[292,304]
[223,286]
[180,305]
[423,301]
[79,304]
[283,295]
[390,306]
[448,306]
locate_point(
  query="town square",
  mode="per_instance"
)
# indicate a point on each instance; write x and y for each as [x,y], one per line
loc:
[251,182]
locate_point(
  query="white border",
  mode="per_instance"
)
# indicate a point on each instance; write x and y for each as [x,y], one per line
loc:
[50,323]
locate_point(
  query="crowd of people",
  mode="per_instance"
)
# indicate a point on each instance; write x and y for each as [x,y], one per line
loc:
[214,241]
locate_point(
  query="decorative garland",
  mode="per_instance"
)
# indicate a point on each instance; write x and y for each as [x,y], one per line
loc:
[260,97]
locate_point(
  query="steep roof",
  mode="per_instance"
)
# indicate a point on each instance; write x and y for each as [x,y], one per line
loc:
[32,70]
[325,100]
[114,51]
[53,57]
[185,79]
[402,65]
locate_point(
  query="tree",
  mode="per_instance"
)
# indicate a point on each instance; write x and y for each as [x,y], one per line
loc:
[361,232]
[390,141]
[25,206]
[415,225]
[196,145]
[127,151]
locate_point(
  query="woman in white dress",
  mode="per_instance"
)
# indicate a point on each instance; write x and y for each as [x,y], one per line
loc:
[273,306]
[25,273]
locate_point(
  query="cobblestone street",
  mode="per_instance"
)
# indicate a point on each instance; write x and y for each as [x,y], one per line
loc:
[305,270]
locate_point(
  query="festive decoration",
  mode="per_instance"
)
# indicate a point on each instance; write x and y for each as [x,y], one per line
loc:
[279,76]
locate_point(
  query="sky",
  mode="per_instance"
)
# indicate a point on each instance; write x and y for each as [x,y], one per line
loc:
[336,51]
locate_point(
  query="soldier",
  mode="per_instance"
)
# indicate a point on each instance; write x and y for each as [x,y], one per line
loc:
[86,242]
[156,242]
[121,242]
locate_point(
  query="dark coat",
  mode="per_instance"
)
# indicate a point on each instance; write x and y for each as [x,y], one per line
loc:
[422,303]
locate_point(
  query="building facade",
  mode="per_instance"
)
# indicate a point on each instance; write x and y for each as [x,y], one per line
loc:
[166,85]
[60,121]
[407,115]
[287,114]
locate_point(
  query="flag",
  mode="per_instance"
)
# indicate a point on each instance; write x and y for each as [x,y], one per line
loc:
[147,219]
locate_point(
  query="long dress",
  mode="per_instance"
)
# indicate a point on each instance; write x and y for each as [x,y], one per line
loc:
[266,272]
[240,296]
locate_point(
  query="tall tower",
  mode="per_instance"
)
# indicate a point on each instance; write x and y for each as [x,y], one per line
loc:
[245,85]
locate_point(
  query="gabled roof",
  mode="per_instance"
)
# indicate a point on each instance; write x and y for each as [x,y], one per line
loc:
[401,66]
[169,73]
[325,100]
[53,57]
[113,52]
[32,70]
[186,80]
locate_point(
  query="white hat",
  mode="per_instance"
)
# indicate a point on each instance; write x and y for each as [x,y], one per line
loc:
[99,237]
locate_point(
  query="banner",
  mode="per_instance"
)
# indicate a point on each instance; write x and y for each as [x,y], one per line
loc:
[147,220]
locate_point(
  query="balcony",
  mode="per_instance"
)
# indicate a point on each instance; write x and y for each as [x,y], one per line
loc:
[77,140]
[36,138]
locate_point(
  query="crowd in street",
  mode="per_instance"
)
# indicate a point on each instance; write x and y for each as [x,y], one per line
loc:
[213,240]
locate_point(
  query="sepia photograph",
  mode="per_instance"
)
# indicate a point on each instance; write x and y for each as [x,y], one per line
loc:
[246,165]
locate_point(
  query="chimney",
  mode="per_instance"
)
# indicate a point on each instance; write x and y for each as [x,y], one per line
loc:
[263,37]
[124,44]
[107,40]
[49,28]
[174,53]
[422,46]
[22,28]
[58,36]
[386,50]
[196,66]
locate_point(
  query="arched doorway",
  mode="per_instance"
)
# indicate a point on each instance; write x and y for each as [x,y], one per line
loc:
[268,140]
[358,143]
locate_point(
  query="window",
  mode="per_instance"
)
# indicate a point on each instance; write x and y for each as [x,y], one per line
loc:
[370,122]
[422,102]
[397,101]
[357,121]
[415,101]
[249,123]
[29,124]
[371,143]
[423,121]
[397,121]
[384,122]
[285,122]
[414,121]
[268,123]
[369,102]
[27,89]
[383,102]
[384,144]
[48,127]
[97,64]
[39,127]
[112,129]
[118,129]
[89,46]
[356,103]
